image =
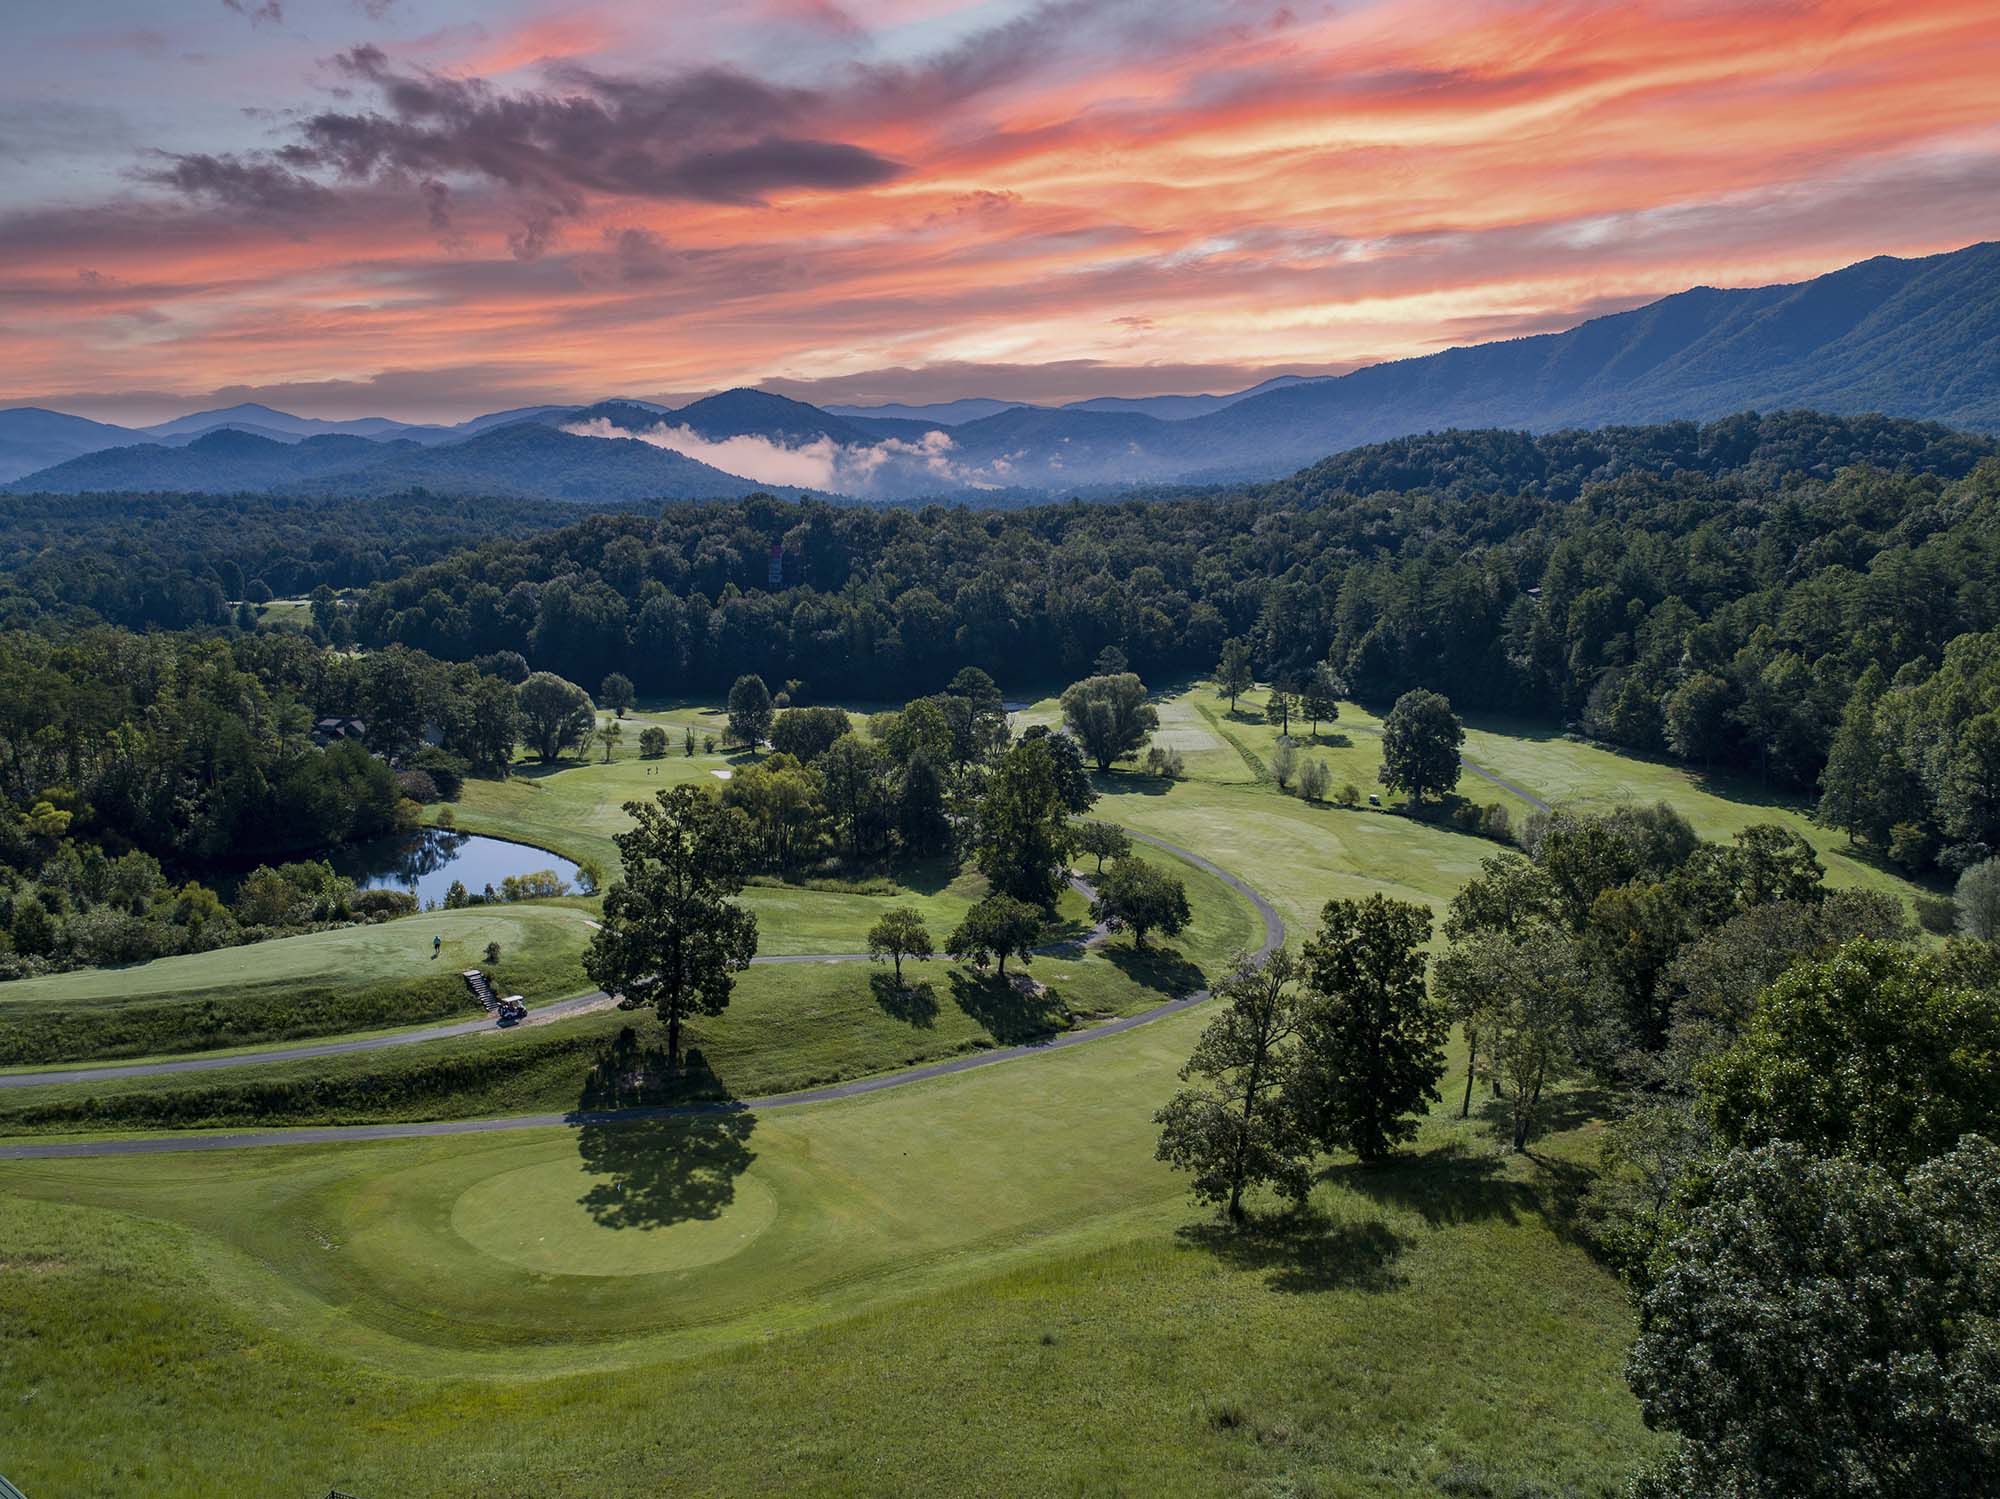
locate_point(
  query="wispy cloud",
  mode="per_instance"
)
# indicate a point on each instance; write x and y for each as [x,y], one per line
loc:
[902,197]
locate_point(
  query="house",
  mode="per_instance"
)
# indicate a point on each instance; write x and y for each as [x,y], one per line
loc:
[333,730]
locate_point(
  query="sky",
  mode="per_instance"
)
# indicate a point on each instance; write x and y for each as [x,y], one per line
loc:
[428,209]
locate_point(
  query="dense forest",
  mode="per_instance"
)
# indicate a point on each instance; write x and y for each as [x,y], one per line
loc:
[1760,593]
[178,562]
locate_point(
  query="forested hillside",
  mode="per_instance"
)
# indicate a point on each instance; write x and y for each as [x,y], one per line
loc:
[1727,594]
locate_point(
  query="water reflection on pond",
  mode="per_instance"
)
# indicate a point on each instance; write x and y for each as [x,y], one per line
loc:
[427,861]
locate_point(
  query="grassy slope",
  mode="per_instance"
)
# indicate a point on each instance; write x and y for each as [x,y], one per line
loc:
[353,978]
[983,1281]
[789,1026]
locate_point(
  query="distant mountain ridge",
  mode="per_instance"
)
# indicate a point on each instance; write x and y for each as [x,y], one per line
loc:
[1906,338]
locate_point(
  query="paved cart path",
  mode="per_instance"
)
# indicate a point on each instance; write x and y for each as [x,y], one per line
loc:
[1274,935]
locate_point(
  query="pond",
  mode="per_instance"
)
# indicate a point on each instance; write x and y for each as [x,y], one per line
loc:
[427,861]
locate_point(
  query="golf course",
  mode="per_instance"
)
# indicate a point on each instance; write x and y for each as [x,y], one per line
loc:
[873,1236]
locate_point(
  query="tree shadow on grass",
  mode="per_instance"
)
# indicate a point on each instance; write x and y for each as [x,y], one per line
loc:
[659,1172]
[913,1004]
[1011,1013]
[1305,1251]
[1562,1110]
[1164,970]
[1444,1187]
[1130,783]
[1451,1186]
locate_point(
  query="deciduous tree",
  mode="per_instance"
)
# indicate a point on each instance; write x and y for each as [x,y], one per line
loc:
[900,934]
[1372,1044]
[672,937]
[1142,898]
[1235,1129]
[1420,744]
[1109,716]
[556,715]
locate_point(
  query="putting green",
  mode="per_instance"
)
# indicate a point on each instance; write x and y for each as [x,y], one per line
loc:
[561,1219]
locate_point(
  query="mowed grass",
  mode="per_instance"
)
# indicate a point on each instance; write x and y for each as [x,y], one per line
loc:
[984,1282]
[789,1026]
[348,979]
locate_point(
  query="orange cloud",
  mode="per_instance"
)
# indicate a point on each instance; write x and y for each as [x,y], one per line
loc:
[1137,188]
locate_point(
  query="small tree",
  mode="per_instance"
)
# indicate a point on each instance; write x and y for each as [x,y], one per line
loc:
[609,733]
[1371,1042]
[1235,1130]
[1142,898]
[615,692]
[687,741]
[1284,762]
[1278,709]
[1232,672]
[1350,795]
[652,742]
[1313,781]
[999,927]
[1109,716]
[1978,897]
[898,935]
[1420,743]
[750,711]
[1319,699]
[1101,840]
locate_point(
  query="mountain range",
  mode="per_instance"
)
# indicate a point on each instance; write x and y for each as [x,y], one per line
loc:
[1913,338]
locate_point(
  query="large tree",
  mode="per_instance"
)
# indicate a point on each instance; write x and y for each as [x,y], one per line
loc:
[616,693]
[1822,1330]
[1022,834]
[1420,743]
[1372,1043]
[672,938]
[555,715]
[1109,716]
[750,711]
[1235,1129]
[1878,1052]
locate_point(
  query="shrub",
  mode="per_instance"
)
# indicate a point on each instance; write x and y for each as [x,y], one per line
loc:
[492,953]
[1169,764]
[418,786]
[1350,795]
[541,884]
[1284,762]
[380,905]
[446,770]
[1496,824]
[652,743]
[1313,781]
[1937,913]
[1466,817]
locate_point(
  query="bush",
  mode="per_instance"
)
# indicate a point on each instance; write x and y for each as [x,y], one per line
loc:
[1937,913]
[446,770]
[1350,795]
[1496,824]
[380,905]
[1168,764]
[1313,781]
[1466,817]
[492,953]
[418,786]
[542,884]
[652,743]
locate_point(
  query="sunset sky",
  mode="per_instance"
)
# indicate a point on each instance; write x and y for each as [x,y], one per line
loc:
[431,208]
